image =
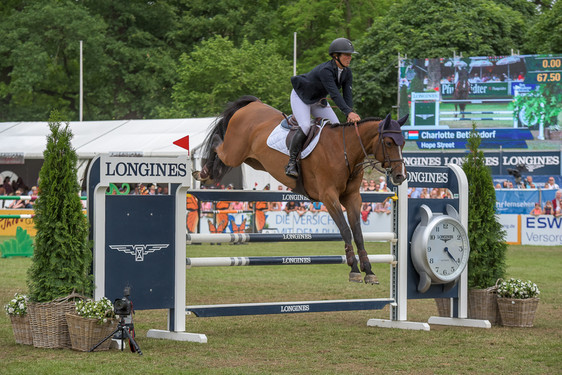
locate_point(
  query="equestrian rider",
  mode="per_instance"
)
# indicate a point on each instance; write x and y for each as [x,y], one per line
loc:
[308,96]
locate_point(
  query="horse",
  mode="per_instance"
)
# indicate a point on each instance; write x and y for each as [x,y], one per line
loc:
[331,174]
[462,89]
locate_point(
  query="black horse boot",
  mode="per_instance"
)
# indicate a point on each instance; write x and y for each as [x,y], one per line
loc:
[294,151]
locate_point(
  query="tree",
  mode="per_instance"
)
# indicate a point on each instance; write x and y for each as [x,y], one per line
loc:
[62,258]
[488,248]
[39,58]
[545,35]
[217,72]
[429,29]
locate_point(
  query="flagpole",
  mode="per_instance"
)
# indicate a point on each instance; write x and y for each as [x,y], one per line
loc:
[81,84]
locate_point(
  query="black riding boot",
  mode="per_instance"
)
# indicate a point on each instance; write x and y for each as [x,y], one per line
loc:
[294,151]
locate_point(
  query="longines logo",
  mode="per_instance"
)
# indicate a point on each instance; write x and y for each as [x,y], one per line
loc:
[139,251]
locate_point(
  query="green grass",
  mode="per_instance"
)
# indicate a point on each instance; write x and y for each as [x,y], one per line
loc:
[322,343]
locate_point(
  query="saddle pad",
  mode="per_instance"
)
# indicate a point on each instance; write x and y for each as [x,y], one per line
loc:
[276,140]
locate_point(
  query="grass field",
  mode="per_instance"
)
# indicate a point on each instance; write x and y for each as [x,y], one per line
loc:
[322,343]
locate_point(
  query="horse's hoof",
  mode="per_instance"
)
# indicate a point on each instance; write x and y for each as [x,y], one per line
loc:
[371,279]
[355,277]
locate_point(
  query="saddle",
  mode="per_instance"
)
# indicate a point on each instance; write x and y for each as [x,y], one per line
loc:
[290,122]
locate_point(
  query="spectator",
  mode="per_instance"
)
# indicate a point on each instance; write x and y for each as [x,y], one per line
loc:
[20,203]
[424,193]
[550,184]
[557,204]
[317,207]
[372,187]
[364,186]
[7,186]
[434,193]
[498,186]
[414,193]
[548,208]
[383,207]
[537,210]
[382,182]
[290,207]
[277,206]
[366,209]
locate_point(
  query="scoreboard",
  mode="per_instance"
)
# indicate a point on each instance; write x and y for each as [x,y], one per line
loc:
[543,69]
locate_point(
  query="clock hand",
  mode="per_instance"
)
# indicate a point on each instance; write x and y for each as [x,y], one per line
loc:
[450,255]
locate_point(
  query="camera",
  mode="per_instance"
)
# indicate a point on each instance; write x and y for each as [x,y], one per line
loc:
[123,306]
[516,172]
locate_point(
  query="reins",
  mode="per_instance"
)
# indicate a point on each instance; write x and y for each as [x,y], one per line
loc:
[372,163]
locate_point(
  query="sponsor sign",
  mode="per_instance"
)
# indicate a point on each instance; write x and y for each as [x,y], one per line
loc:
[541,230]
[536,162]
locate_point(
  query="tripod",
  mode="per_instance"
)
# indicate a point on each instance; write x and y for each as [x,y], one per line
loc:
[123,328]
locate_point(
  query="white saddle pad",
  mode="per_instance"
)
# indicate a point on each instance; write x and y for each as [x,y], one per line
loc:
[276,140]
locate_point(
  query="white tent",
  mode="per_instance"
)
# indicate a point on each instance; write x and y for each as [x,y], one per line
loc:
[140,137]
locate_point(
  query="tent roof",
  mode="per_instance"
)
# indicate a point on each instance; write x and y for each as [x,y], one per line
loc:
[149,137]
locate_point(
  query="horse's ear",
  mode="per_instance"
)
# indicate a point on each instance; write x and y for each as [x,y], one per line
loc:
[403,120]
[386,121]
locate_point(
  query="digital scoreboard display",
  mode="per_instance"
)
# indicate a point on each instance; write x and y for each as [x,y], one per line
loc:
[543,69]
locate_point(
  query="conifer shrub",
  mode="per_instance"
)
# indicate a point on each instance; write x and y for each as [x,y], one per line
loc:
[488,248]
[63,257]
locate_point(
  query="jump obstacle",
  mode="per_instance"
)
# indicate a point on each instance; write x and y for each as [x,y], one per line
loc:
[130,232]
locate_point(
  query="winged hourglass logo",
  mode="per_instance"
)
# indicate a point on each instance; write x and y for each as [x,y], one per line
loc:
[139,251]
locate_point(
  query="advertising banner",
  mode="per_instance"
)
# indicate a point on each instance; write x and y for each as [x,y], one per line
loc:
[541,230]
[535,162]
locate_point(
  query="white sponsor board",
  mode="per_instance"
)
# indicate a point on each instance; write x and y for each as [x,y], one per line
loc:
[541,230]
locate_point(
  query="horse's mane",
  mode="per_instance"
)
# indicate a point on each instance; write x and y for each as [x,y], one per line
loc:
[367,119]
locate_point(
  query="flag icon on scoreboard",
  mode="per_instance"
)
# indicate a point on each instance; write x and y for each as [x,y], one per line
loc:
[413,134]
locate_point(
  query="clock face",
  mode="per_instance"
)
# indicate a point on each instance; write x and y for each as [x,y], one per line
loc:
[447,249]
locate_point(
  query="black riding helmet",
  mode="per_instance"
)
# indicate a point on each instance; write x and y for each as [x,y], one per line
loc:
[341,45]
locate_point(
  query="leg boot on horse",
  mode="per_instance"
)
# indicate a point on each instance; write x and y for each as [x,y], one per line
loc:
[294,151]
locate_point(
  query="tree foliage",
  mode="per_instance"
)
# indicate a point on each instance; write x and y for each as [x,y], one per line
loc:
[488,248]
[217,72]
[62,258]
[132,50]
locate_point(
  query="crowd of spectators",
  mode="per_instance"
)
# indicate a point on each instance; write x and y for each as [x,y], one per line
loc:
[553,207]
[17,188]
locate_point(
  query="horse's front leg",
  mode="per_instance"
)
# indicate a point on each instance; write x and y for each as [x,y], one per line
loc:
[353,207]
[335,210]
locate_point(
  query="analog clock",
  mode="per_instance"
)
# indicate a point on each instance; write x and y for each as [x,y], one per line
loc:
[440,248]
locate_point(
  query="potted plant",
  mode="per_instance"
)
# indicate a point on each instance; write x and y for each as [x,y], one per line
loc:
[62,255]
[91,323]
[488,248]
[17,310]
[517,302]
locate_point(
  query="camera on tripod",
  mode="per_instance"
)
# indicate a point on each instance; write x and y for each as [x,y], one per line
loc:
[516,172]
[123,306]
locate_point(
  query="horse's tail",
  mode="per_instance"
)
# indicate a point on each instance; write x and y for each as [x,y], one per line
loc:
[215,137]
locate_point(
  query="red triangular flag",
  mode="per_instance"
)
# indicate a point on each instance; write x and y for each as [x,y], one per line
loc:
[183,142]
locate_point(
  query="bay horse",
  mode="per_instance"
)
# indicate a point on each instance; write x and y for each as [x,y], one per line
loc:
[462,89]
[331,174]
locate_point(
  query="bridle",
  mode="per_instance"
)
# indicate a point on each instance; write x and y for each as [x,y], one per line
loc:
[373,163]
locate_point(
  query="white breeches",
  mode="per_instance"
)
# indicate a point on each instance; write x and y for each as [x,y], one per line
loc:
[303,111]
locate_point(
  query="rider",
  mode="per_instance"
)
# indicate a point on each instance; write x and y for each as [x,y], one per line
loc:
[309,96]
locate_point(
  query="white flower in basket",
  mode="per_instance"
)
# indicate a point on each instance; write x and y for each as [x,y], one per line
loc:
[518,289]
[101,310]
[17,305]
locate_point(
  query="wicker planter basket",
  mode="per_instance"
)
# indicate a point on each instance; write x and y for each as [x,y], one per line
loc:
[482,304]
[48,322]
[518,312]
[86,332]
[22,329]
[443,306]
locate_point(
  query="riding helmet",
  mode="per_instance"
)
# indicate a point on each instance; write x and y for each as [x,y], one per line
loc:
[341,45]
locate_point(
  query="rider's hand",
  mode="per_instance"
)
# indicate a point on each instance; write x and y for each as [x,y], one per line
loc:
[353,117]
